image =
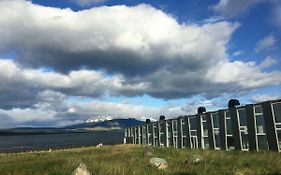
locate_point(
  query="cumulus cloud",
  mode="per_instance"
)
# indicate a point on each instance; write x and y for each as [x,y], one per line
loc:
[231,8]
[69,113]
[130,40]
[266,43]
[146,50]
[114,51]
[22,87]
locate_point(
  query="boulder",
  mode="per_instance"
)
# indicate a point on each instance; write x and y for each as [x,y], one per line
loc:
[99,145]
[81,170]
[158,162]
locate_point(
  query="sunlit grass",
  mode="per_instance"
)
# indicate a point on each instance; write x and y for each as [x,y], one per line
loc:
[129,160]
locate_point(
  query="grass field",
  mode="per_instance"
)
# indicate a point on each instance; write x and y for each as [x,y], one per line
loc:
[129,160]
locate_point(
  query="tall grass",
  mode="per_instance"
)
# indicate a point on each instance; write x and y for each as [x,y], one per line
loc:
[130,160]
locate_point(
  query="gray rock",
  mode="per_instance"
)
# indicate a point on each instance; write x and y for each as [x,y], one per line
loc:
[158,162]
[81,170]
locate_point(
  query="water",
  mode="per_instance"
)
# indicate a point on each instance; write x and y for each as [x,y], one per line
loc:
[18,143]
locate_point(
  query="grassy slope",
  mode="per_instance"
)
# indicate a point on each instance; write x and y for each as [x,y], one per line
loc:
[129,160]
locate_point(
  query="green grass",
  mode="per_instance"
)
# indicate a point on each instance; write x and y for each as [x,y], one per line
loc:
[129,160]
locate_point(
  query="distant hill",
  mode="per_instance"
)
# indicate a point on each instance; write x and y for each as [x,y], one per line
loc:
[114,123]
[99,124]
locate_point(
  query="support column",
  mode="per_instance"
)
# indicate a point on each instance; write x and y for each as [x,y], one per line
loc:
[180,133]
[171,127]
[222,134]
[158,133]
[147,134]
[235,128]
[210,127]
[135,135]
[199,131]
[153,134]
[142,135]
[270,126]
[252,128]
[166,141]
[187,132]
[139,135]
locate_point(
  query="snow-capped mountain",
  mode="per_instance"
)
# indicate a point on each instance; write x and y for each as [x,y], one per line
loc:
[117,122]
[99,119]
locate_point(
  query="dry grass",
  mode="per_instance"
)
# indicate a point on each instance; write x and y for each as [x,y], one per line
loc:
[129,160]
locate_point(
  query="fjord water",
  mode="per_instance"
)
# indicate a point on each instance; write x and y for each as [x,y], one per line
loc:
[18,143]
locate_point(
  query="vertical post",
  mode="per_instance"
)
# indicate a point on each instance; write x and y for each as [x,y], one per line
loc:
[158,129]
[172,144]
[136,135]
[125,132]
[147,134]
[153,134]
[235,128]
[166,141]
[270,126]
[180,133]
[222,134]
[130,141]
[125,136]
[187,132]
[199,131]
[252,128]
[141,135]
[210,126]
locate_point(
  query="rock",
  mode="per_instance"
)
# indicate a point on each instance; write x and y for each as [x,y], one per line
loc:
[50,150]
[158,162]
[81,170]
[99,145]
[148,151]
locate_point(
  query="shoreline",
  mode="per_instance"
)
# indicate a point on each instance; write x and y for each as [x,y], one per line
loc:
[35,142]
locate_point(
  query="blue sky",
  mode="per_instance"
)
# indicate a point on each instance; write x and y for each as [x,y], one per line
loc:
[65,61]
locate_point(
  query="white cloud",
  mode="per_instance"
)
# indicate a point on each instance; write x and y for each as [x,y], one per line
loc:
[266,43]
[267,62]
[238,53]
[114,51]
[68,113]
[264,97]
[231,8]
[141,50]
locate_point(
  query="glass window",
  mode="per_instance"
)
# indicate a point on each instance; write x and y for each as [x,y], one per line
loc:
[277,112]
[193,123]
[258,109]
[262,142]
[242,117]
[260,124]
[228,123]
[215,117]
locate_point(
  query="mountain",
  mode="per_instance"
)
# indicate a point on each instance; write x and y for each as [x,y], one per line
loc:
[99,119]
[109,124]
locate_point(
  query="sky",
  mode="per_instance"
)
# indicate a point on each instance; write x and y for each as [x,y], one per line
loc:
[65,61]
